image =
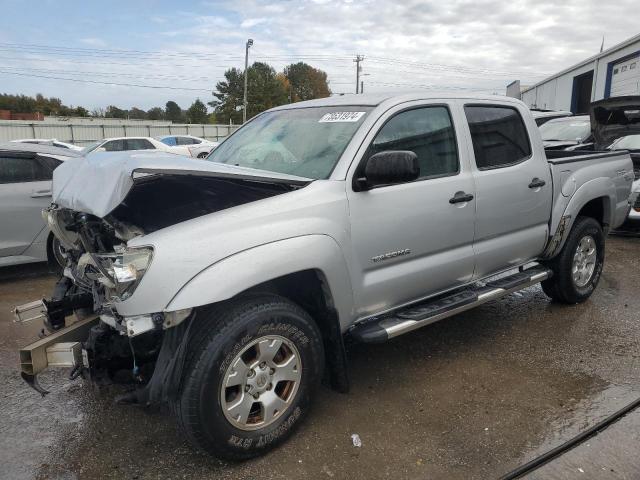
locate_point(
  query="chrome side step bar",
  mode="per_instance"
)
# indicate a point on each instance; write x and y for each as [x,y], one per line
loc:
[416,316]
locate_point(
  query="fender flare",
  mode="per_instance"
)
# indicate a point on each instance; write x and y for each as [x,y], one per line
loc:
[602,187]
[234,274]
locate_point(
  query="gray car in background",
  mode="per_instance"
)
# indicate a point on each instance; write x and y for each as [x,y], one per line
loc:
[26,171]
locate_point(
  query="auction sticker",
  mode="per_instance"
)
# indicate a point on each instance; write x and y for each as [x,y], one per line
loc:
[341,117]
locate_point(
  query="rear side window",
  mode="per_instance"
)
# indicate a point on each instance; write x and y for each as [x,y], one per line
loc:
[428,132]
[171,141]
[139,144]
[114,146]
[185,141]
[499,136]
[20,170]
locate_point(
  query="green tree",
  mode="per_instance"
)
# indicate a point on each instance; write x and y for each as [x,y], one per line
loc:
[137,113]
[173,112]
[80,112]
[115,112]
[155,113]
[264,91]
[306,82]
[197,112]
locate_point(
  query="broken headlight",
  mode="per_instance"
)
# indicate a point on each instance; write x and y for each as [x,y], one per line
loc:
[129,268]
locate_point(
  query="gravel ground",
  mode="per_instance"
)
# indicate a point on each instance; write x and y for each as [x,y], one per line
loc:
[473,396]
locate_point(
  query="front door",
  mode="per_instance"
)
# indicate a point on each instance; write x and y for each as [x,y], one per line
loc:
[414,239]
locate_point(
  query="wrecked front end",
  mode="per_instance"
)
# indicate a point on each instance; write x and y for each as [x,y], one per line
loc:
[107,258]
[101,271]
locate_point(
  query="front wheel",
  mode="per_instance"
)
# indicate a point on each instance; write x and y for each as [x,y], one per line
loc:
[252,371]
[578,266]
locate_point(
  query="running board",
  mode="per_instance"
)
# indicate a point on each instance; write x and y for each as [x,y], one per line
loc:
[418,315]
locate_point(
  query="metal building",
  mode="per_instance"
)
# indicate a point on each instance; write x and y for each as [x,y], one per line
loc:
[613,72]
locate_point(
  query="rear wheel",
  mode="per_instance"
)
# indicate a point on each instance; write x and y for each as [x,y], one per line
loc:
[578,266]
[253,368]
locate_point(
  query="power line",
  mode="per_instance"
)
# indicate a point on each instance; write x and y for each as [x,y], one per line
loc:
[111,74]
[95,52]
[107,83]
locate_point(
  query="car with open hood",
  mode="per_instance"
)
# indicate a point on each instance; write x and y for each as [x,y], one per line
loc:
[616,127]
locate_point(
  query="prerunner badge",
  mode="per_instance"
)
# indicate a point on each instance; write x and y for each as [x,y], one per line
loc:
[341,117]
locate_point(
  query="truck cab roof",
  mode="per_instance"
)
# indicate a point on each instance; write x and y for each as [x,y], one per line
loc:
[376,99]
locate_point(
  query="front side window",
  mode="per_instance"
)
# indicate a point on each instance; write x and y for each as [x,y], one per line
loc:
[306,142]
[498,134]
[428,132]
[139,144]
[20,169]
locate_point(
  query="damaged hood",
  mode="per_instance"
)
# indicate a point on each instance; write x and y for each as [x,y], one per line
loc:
[98,183]
[613,118]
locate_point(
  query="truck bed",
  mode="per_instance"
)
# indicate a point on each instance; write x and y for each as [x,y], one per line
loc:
[605,174]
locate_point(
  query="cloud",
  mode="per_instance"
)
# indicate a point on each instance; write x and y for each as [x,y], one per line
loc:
[471,45]
[94,42]
[252,22]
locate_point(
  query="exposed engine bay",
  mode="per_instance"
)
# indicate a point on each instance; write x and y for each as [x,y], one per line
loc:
[101,270]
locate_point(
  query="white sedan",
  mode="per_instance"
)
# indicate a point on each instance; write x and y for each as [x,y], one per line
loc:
[120,144]
[189,145]
[52,142]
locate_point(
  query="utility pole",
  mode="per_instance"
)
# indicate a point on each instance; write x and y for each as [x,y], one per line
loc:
[361,86]
[358,59]
[246,66]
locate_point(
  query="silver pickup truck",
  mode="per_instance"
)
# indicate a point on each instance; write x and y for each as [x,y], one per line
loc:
[226,287]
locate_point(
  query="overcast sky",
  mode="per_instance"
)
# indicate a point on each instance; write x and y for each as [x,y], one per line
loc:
[187,45]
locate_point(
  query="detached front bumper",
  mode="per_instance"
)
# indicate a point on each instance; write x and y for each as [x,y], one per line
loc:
[63,348]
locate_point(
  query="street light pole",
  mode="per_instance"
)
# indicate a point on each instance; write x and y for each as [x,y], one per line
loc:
[246,66]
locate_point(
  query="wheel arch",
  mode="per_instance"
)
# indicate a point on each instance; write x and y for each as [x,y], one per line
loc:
[595,199]
[310,271]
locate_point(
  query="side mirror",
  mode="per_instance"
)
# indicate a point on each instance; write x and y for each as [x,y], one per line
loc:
[101,149]
[388,168]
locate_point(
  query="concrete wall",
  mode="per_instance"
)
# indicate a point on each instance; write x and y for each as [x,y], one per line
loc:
[82,134]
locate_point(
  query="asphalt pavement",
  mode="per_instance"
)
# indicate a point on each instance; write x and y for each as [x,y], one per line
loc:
[473,396]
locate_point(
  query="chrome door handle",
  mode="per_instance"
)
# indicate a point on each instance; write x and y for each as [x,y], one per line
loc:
[461,197]
[537,183]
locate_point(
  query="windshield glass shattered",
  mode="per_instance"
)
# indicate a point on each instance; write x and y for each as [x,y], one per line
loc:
[306,142]
[566,130]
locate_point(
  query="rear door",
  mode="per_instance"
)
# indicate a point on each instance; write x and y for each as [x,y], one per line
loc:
[138,144]
[25,189]
[513,187]
[409,241]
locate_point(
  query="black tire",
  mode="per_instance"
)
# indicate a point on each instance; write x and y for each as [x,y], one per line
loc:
[562,287]
[203,155]
[219,336]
